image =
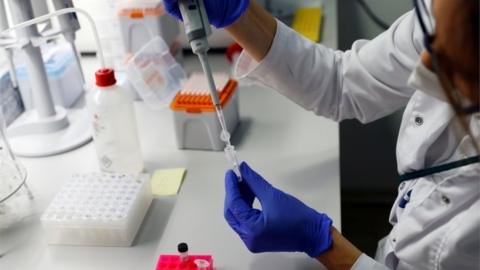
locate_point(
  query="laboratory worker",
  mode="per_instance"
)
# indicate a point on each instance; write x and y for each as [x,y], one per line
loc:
[427,61]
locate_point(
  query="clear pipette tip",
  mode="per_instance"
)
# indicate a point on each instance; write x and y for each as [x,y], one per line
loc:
[230,152]
[225,135]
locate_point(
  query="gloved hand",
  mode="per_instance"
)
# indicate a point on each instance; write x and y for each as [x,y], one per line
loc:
[221,13]
[284,224]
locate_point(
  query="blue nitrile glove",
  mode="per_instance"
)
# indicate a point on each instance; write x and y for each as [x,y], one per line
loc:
[284,224]
[221,13]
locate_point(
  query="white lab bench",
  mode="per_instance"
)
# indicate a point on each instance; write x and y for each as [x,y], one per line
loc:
[294,149]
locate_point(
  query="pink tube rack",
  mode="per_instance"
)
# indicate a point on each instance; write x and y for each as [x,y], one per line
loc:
[173,262]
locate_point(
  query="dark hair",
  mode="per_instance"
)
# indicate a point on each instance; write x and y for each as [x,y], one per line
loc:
[470,36]
[474,22]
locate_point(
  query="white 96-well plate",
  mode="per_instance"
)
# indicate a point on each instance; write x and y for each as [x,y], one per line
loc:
[98,209]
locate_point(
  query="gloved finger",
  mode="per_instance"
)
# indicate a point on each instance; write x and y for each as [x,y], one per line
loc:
[257,184]
[247,193]
[171,6]
[232,221]
[235,202]
[233,195]
[229,192]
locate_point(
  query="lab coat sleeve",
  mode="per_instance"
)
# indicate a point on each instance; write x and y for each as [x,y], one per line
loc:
[367,82]
[364,262]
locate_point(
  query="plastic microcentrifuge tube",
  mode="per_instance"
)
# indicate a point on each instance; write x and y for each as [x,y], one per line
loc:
[230,152]
[183,250]
[231,155]
[202,264]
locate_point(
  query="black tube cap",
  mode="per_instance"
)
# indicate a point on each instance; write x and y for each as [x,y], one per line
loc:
[182,247]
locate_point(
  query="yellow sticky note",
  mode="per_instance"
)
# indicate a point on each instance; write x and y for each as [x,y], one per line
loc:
[167,181]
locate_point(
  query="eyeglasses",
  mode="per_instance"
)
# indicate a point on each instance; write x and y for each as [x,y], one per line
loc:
[427,25]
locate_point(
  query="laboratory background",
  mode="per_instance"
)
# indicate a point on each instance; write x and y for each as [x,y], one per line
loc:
[116,136]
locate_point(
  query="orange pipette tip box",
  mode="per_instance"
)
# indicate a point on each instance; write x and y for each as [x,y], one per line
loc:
[139,13]
[198,103]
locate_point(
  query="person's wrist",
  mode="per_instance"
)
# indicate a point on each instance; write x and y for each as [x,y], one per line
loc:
[321,240]
[255,31]
[237,22]
[242,8]
[341,255]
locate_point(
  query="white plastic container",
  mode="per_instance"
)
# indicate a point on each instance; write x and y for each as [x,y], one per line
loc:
[140,21]
[98,209]
[201,131]
[64,77]
[196,122]
[115,128]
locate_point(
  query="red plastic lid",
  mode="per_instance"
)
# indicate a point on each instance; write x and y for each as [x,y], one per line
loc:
[233,49]
[105,77]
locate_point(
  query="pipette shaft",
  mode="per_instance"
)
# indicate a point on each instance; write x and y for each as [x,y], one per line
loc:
[225,136]
[203,57]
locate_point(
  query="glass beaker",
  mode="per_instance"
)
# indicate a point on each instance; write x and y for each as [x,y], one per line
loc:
[16,200]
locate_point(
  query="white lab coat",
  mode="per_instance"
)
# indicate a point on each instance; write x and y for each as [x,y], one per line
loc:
[440,226]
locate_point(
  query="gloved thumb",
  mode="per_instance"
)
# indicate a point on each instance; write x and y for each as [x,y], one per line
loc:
[233,197]
[257,184]
[237,211]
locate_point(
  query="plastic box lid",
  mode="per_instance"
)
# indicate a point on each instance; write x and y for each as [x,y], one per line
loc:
[197,103]
[141,9]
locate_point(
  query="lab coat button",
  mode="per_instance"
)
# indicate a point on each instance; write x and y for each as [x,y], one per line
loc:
[445,199]
[418,121]
[402,186]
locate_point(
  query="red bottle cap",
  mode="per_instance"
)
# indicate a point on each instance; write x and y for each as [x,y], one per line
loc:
[233,49]
[105,77]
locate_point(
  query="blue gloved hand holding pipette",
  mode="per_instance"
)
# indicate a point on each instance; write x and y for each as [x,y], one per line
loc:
[221,13]
[284,224]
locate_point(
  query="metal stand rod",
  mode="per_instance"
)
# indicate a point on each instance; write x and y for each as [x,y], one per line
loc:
[22,11]
[3,16]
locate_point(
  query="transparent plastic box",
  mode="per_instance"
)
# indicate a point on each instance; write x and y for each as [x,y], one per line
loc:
[141,21]
[64,77]
[155,74]
[98,209]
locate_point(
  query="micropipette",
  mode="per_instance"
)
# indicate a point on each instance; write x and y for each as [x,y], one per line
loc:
[197,28]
